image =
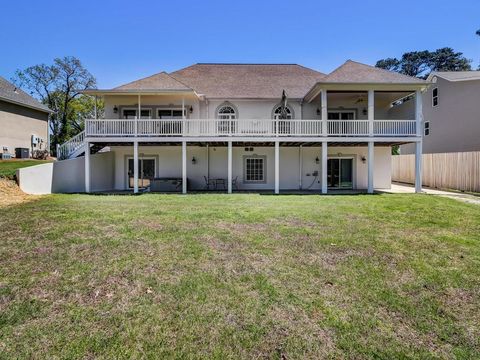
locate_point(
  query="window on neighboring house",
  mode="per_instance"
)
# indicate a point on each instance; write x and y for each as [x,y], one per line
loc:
[254,169]
[132,113]
[341,115]
[426,128]
[435,97]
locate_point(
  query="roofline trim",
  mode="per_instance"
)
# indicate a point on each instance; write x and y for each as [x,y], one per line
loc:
[38,108]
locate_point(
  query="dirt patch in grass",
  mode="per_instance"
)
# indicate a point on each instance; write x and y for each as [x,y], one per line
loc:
[10,194]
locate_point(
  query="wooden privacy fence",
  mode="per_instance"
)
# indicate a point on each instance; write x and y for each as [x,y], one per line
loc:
[459,171]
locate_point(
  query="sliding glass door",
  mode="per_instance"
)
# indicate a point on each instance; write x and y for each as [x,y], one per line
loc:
[340,173]
[146,172]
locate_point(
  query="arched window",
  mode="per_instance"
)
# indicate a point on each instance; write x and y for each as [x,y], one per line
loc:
[277,112]
[227,114]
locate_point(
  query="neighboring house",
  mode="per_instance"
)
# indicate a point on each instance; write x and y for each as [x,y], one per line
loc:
[23,120]
[221,126]
[451,113]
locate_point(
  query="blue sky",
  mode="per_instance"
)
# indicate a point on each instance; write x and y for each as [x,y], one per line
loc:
[120,41]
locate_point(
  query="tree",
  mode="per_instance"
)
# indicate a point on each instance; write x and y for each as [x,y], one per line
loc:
[59,87]
[478,32]
[421,63]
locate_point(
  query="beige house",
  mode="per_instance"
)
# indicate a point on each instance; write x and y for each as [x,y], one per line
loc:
[451,115]
[23,120]
[226,127]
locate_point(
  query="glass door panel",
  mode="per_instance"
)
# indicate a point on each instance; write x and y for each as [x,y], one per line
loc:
[333,173]
[346,173]
[146,172]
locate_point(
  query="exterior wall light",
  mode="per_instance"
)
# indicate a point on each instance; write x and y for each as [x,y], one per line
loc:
[364,159]
[318,111]
[190,109]
[317,160]
[194,161]
[364,111]
[115,109]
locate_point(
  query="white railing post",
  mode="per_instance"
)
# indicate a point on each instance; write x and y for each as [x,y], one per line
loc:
[324,97]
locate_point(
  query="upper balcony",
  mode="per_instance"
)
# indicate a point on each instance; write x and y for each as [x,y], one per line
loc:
[264,128]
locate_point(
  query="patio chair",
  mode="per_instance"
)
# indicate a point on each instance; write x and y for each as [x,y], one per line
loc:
[208,183]
[235,183]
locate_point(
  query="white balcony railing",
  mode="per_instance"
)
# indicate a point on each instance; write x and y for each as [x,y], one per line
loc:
[245,128]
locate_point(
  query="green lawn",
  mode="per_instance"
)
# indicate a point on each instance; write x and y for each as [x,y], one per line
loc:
[240,276]
[9,167]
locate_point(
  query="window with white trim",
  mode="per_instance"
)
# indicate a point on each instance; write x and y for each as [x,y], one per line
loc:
[426,128]
[435,97]
[277,113]
[254,169]
[227,113]
[131,113]
[341,115]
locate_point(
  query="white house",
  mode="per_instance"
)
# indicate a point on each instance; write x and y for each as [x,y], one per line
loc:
[220,126]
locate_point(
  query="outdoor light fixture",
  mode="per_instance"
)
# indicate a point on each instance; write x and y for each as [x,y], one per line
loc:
[364,159]
[364,111]
[317,160]
[318,111]
[194,161]
[115,109]
[191,109]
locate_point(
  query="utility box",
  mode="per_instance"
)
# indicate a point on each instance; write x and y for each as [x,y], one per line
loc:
[22,153]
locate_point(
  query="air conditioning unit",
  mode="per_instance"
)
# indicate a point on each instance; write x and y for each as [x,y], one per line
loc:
[36,140]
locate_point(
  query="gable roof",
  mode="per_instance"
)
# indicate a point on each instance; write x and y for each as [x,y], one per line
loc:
[248,80]
[456,75]
[10,93]
[355,72]
[160,81]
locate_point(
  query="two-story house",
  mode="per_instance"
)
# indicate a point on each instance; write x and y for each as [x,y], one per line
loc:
[226,127]
[451,116]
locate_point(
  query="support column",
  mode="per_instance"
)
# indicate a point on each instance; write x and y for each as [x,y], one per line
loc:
[229,180]
[139,113]
[87,167]
[135,167]
[371,111]
[418,167]
[277,167]
[324,167]
[324,112]
[184,167]
[419,144]
[300,165]
[371,160]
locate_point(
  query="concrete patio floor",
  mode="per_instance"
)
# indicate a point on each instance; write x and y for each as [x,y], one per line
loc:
[399,188]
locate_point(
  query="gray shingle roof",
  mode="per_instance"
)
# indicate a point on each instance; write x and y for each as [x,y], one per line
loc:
[248,80]
[160,81]
[355,72]
[10,93]
[456,75]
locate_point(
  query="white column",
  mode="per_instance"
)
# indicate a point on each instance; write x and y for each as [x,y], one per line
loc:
[277,167]
[135,167]
[300,166]
[419,144]
[87,167]
[419,112]
[371,111]
[139,113]
[371,161]
[418,166]
[229,167]
[324,111]
[324,167]
[183,108]
[208,162]
[184,167]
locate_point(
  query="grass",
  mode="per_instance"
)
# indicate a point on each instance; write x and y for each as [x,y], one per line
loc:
[241,276]
[8,168]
